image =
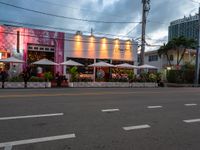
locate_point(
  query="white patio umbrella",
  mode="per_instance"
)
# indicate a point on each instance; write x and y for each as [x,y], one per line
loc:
[71,63]
[126,65]
[45,62]
[101,64]
[145,66]
[11,60]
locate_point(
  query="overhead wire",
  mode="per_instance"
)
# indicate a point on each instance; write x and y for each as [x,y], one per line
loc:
[65,17]
[59,28]
[68,39]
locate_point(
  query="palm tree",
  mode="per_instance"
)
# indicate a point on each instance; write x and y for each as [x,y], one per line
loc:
[163,50]
[180,45]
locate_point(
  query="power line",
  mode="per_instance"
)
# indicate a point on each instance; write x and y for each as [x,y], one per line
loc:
[65,39]
[65,17]
[58,28]
[157,22]
[132,29]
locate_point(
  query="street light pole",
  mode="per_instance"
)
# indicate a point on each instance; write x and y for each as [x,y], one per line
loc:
[198,53]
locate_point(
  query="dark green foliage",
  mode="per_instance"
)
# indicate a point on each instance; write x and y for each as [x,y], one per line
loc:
[74,74]
[48,76]
[179,45]
[16,79]
[185,75]
[36,79]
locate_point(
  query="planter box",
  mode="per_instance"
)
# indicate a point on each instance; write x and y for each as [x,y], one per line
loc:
[29,85]
[113,84]
[14,85]
[36,84]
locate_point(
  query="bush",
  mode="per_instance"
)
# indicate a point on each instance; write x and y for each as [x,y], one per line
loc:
[152,77]
[181,76]
[16,79]
[118,80]
[48,76]
[36,79]
[74,74]
[85,79]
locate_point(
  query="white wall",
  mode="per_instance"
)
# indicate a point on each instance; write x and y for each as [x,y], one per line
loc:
[97,47]
[162,62]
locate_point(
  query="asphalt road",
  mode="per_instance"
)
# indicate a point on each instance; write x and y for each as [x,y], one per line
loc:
[100,119]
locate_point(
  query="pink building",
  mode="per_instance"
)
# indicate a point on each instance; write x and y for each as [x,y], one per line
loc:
[31,45]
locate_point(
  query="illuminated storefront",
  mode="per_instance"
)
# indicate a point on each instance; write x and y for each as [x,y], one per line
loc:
[33,44]
[90,49]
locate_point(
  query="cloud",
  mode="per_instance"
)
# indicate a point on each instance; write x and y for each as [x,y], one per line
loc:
[161,13]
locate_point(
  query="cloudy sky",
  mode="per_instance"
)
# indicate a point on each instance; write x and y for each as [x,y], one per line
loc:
[160,15]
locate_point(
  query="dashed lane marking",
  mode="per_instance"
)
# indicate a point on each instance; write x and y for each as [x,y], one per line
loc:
[190,104]
[30,116]
[136,127]
[109,110]
[191,120]
[7,145]
[153,107]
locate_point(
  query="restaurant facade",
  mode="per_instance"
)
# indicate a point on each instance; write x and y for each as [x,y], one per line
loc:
[89,49]
[31,45]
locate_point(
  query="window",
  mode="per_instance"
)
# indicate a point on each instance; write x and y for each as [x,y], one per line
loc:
[153,58]
[171,57]
[30,47]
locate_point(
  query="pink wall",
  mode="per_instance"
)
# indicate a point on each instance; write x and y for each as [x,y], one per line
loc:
[8,41]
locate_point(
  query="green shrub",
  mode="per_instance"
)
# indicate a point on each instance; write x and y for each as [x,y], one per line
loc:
[74,74]
[181,76]
[36,79]
[48,76]
[16,79]
[152,77]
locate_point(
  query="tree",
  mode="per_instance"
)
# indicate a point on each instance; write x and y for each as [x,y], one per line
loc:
[163,50]
[180,45]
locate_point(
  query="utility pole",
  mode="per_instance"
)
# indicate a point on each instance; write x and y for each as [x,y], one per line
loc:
[198,53]
[145,10]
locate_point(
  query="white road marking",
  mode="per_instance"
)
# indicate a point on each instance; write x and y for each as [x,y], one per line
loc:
[31,116]
[109,110]
[191,120]
[136,127]
[36,140]
[190,104]
[152,107]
